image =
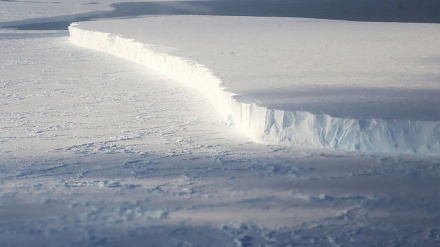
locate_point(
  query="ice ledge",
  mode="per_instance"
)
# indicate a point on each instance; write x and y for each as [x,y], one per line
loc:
[297,128]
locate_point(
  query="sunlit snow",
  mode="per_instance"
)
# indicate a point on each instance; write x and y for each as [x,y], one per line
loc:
[284,80]
[223,123]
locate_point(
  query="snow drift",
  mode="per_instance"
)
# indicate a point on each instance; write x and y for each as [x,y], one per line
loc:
[297,128]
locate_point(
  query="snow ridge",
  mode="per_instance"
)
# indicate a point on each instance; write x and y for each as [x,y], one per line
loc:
[298,128]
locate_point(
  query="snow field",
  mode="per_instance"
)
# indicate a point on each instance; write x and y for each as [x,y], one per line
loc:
[98,151]
[119,156]
[35,11]
[263,124]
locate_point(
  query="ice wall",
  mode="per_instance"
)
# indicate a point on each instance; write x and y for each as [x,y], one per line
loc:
[297,128]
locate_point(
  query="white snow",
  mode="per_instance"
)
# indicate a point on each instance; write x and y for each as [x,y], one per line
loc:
[14,12]
[308,83]
[96,150]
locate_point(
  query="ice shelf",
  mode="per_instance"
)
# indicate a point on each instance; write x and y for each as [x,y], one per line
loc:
[265,125]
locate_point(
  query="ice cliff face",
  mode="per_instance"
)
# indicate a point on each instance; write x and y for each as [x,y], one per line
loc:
[297,128]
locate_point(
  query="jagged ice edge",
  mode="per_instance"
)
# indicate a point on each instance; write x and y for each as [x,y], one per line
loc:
[263,125]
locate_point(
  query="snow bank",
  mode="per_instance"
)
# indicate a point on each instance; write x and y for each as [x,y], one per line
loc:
[298,128]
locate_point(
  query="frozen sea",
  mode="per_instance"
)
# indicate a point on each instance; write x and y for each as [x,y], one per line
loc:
[99,151]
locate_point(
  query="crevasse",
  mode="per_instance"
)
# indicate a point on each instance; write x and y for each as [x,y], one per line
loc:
[296,128]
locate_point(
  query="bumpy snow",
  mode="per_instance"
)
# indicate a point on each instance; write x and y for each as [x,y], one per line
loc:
[177,57]
[97,150]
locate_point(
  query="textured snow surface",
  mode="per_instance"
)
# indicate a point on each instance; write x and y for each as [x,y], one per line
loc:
[308,83]
[96,150]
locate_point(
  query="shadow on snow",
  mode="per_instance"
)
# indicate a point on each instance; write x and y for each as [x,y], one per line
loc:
[422,11]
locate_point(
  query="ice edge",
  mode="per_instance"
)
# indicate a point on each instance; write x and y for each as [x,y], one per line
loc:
[297,128]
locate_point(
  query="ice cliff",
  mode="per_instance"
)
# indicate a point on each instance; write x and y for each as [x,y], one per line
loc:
[297,128]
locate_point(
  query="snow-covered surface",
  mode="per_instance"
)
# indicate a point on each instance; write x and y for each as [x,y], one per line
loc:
[98,151]
[33,11]
[27,11]
[309,83]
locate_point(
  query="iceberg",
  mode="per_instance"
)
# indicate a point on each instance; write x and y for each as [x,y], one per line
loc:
[157,43]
